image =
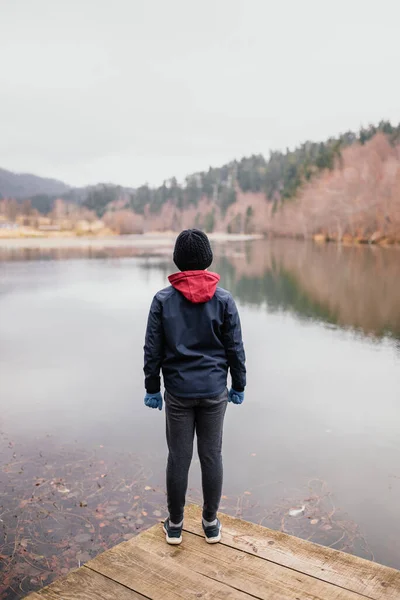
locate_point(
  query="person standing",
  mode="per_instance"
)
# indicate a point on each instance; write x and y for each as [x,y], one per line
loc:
[194,337]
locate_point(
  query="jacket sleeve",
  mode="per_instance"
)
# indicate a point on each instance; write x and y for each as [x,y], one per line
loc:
[153,348]
[232,339]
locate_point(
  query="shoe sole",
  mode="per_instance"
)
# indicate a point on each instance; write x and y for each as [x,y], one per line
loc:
[172,541]
[214,540]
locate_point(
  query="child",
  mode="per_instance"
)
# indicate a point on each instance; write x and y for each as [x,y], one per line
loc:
[193,335]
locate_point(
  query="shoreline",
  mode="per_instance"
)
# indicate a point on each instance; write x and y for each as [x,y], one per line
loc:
[160,240]
[146,240]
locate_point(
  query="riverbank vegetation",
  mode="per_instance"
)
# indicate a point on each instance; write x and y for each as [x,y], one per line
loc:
[345,189]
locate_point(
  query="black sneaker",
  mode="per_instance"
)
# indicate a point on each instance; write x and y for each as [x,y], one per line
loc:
[213,533]
[173,535]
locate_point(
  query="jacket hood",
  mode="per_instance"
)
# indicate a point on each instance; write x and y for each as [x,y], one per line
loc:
[197,286]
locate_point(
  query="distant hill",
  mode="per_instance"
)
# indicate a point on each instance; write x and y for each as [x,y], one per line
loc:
[24,185]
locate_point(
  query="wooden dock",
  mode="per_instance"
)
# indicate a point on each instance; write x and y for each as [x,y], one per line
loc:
[250,562]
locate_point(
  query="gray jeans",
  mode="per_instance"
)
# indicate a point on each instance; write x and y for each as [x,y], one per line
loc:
[184,416]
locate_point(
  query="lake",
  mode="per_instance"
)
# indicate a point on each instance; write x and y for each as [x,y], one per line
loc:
[82,459]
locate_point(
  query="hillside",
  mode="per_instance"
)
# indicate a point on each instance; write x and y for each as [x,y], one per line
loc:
[24,185]
[358,200]
[344,188]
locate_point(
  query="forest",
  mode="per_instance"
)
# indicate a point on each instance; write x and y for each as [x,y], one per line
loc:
[207,199]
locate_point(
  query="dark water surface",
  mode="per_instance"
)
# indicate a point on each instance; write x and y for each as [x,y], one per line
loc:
[82,460]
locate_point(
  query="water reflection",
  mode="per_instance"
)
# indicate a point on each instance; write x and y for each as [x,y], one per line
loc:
[67,253]
[310,432]
[356,287]
[353,287]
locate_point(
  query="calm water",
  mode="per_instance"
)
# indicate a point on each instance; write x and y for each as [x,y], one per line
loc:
[83,459]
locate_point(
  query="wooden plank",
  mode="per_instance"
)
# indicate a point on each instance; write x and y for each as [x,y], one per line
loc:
[85,584]
[159,578]
[343,570]
[33,596]
[242,571]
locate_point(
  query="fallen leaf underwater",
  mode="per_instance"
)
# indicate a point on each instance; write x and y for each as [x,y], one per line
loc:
[61,506]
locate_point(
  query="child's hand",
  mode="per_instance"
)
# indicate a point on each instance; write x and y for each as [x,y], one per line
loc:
[153,400]
[235,397]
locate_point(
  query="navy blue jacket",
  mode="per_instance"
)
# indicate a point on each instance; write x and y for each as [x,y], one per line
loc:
[194,335]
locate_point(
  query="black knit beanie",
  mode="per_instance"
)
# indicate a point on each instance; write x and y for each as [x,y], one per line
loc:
[192,251]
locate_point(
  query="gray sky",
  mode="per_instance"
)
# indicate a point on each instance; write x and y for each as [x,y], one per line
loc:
[131,91]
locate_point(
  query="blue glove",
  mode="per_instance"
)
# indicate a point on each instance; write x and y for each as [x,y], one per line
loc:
[153,400]
[235,397]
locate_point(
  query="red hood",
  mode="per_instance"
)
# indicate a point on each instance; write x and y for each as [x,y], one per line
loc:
[196,286]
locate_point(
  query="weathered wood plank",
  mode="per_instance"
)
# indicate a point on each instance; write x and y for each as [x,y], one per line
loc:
[343,570]
[85,584]
[159,579]
[242,571]
[251,562]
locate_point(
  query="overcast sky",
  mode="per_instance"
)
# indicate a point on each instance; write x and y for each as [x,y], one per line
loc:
[134,91]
